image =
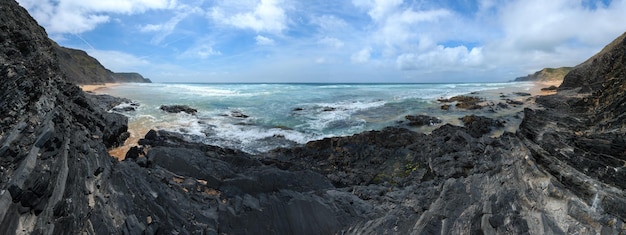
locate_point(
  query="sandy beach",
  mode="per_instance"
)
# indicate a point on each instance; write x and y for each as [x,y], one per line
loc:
[137,131]
[96,88]
[492,102]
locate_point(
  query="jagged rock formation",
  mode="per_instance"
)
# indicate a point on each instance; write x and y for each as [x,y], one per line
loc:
[562,173]
[80,68]
[53,140]
[546,75]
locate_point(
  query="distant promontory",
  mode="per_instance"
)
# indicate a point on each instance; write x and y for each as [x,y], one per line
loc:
[546,75]
[81,68]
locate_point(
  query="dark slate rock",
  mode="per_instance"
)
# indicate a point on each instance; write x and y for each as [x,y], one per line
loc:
[178,109]
[550,88]
[238,114]
[478,126]
[421,120]
[514,102]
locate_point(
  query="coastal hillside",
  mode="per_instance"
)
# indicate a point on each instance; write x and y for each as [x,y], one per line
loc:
[546,75]
[606,65]
[562,172]
[80,68]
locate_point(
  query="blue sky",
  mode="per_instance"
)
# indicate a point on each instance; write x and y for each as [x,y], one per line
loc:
[332,41]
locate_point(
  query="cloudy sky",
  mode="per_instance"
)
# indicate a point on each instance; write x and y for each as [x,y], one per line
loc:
[332,41]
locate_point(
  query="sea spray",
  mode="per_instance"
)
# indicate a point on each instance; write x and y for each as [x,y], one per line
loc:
[284,115]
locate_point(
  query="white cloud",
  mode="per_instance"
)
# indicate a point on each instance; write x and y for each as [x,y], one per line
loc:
[398,28]
[378,9]
[561,21]
[165,29]
[77,16]
[321,60]
[331,42]
[441,58]
[118,61]
[203,50]
[403,27]
[264,41]
[361,56]
[329,23]
[265,16]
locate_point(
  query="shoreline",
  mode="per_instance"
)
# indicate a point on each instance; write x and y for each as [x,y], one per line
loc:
[97,88]
[135,129]
[137,132]
[511,116]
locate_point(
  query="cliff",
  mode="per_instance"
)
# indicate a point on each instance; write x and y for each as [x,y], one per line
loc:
[130,77]
[546,75]
[561,173]
[80,68]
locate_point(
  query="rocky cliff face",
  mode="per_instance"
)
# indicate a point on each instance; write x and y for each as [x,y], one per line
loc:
[80,68]
[53,142]
[562,173]
[546,75]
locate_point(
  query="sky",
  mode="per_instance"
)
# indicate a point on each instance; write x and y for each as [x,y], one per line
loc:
[332,41]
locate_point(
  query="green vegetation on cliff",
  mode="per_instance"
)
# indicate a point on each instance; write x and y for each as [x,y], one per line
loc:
[547,75]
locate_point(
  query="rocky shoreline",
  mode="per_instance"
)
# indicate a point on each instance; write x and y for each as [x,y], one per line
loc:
[562,172]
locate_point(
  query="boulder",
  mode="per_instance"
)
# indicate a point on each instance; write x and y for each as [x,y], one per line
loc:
[178,109]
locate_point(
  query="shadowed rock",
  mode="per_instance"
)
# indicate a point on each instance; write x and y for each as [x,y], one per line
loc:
[478,126]
[550,88]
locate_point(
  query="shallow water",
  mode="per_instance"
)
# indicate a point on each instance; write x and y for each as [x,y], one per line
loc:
[283,115]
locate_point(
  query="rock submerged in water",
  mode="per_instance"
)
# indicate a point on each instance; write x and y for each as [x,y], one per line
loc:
[238,114]
[463,102]
[421,120]
[178,109]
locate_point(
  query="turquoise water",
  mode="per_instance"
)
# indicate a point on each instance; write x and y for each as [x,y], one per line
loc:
[283,115]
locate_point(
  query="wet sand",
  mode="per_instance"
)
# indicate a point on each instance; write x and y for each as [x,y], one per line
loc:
[137,131]
[96,88]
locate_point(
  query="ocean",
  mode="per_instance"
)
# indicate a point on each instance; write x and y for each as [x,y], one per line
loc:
[256,118]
